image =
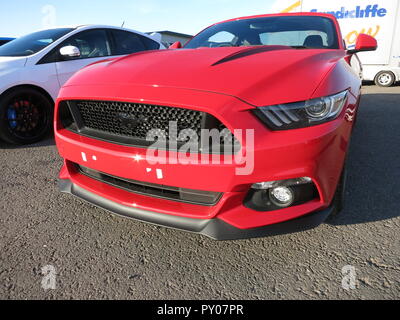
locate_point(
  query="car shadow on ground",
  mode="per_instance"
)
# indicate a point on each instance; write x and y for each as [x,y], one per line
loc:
[373,185]
[47,141]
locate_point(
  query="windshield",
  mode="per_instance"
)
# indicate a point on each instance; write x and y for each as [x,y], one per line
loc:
[32,43]
[294,31]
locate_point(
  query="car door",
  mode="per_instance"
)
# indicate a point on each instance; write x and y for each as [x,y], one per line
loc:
[94,45]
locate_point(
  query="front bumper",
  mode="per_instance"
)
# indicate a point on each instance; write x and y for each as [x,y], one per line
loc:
[212,228]
[316,152]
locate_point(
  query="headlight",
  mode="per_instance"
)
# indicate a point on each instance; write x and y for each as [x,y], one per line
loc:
[302,114]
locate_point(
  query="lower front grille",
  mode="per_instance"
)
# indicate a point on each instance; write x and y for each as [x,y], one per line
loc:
[205,198]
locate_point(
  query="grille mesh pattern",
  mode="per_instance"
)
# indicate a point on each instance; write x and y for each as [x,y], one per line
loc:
[136,120]
[142,124]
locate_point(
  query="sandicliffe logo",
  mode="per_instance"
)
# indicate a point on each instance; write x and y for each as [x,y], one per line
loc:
[370,11]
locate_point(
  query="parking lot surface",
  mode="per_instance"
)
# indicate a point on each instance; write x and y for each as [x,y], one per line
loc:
[100,256]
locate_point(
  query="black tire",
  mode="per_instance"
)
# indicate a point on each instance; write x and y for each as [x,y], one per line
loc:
[385,79]
[26,116]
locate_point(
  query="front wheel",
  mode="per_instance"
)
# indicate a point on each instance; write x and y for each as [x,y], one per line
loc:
[25,116]
[385,79]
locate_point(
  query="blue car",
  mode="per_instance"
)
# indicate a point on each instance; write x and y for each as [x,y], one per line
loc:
[5,40]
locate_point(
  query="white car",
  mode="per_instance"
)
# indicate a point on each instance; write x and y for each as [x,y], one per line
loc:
[33,68]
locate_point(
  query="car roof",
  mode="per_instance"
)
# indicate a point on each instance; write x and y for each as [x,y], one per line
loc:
[91,26]
[95,26]
[98,26]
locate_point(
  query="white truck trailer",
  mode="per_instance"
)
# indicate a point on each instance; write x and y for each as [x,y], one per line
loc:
[378,18]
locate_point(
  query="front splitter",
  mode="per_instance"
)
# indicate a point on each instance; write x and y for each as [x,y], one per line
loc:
[212,228]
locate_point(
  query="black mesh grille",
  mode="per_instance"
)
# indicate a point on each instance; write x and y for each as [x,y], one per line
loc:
[130,124]
[136,120]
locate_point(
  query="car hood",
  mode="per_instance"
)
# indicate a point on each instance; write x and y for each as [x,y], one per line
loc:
[258,75]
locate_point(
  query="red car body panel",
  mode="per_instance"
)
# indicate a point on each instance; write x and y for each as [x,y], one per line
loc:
[197,79]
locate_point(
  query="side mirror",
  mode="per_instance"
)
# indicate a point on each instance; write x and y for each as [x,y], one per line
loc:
[364,43]
[70,52]
[176,45]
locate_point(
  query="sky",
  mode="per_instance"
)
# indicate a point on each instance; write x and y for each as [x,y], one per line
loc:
[19,17]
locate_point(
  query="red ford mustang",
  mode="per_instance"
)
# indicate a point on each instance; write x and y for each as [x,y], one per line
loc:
[241,133]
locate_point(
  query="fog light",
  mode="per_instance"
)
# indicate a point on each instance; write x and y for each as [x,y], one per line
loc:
[281,196]
[276,195]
